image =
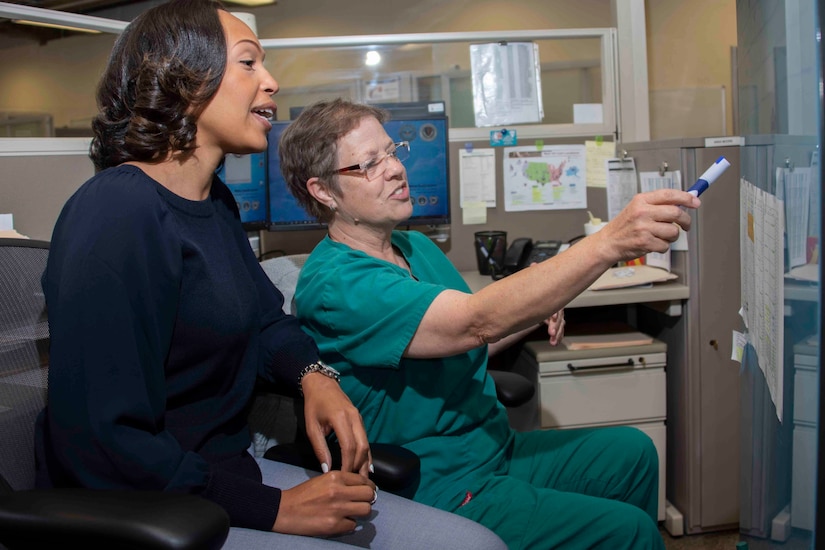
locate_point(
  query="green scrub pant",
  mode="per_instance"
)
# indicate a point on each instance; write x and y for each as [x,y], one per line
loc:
[575,489]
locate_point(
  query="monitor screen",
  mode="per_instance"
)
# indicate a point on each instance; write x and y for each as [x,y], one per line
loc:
[427,168]
[246,177]
[285,214]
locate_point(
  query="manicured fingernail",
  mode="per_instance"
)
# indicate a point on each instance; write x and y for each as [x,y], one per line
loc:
[324,467]
[372,468]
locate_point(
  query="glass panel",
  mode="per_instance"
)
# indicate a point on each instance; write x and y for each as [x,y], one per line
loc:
[62,82]
[571,73]
[56,79]
[779,113]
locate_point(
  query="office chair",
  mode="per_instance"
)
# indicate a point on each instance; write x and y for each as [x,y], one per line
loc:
[512,389]
[396,468]
[36,518]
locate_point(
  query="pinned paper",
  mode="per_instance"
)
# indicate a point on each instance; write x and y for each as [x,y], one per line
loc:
[506,80]
[474,213]
[477,177]
[550,179]
[503,138]
[738,344]
[597,152]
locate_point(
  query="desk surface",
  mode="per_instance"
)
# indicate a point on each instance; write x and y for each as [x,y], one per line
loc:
[659,292]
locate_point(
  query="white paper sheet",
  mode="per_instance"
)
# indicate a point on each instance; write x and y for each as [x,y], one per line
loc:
[621,184]
[666,179]
[794,187]
[477,177]
[506,79]
[761,235]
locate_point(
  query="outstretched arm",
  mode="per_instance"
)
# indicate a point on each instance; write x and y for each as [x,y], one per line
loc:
[456,321]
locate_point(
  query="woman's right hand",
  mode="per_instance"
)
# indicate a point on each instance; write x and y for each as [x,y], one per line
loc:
[325,505]
[648,223]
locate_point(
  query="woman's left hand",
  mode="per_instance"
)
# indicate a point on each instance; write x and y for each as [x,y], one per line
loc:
[555,327]
[328,409]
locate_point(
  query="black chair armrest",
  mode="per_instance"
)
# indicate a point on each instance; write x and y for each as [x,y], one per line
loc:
[110,519]
[512,389]
[396,468]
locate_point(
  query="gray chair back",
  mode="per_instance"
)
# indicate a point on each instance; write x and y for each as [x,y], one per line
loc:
[273,418]
[24,357]
[283,271]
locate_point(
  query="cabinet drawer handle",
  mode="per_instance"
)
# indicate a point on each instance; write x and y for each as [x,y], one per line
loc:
[629,364]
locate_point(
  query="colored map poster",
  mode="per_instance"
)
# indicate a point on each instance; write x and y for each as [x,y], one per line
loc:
[544,178]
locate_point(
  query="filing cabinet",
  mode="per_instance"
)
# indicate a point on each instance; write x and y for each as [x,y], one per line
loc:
[803,474]
[601,387]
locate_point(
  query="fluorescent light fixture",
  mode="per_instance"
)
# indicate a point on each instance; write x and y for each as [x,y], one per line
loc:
[53,26]
[79,21]
[254,2]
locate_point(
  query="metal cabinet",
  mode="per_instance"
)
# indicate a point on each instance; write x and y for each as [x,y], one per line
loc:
[703,392]
[621,386]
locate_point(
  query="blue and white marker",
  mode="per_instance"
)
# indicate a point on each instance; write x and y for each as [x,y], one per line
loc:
[709,176]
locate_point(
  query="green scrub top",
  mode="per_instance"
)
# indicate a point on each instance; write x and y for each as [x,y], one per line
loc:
[363,312]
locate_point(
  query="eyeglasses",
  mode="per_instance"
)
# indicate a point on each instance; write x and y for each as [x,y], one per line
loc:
[376,167]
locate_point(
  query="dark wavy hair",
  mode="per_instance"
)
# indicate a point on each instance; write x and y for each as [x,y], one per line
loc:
[309,145]
[162,72]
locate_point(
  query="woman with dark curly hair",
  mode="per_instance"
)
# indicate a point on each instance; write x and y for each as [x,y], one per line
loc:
[162,319]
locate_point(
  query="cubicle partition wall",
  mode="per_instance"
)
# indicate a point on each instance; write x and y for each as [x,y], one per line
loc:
[456,240]
[38,176]
[702,380]
[779,446]
[537,224]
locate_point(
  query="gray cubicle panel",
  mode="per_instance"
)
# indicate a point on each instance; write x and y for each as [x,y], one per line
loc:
[35,187]
[702,381]
[537,225]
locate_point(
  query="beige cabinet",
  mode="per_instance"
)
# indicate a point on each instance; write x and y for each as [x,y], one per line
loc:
[601,387]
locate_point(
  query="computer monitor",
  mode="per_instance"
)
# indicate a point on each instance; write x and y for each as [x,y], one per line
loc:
[285,214]
[424,125]
[246,177]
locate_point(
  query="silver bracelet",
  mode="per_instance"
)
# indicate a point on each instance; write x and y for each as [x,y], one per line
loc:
[319,367]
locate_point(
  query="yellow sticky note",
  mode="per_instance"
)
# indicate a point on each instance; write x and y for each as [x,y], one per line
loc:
[474,213]
[596,154]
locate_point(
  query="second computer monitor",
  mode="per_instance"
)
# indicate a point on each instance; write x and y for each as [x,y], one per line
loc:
[285,214]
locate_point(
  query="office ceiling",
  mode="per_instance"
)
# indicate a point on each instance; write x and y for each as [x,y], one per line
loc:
[124,10]
[12,34]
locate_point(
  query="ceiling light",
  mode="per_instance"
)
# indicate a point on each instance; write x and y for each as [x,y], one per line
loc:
[372,58]
[53,26]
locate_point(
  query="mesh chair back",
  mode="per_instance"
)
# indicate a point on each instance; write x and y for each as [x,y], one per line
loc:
[283,271]
[24,357]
